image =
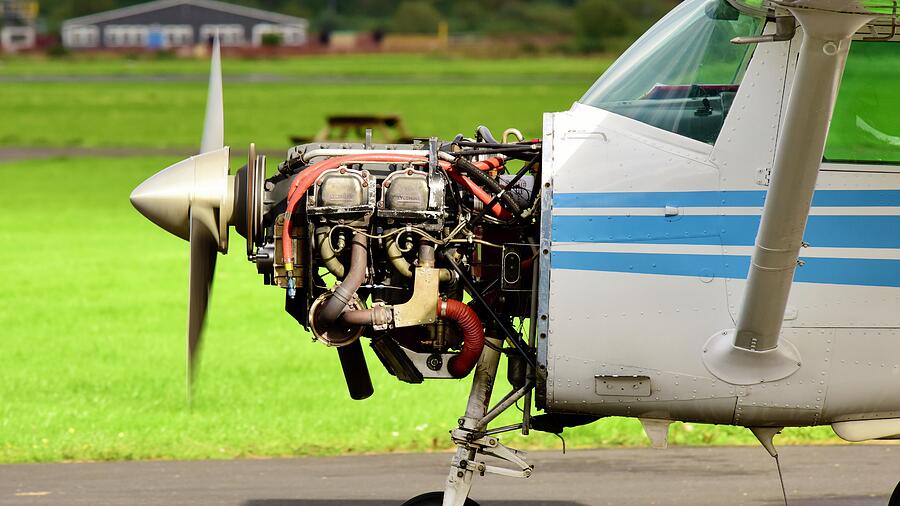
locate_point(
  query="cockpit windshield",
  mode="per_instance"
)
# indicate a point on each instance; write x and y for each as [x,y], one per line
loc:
[683,74]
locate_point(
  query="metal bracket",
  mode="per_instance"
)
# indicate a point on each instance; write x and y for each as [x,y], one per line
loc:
[491,446]
[785,28]
[426,363]
[421,308]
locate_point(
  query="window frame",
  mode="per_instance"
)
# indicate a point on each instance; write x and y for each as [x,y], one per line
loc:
[229,34]
[626,85]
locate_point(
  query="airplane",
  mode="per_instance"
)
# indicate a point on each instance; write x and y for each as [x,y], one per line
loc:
[711,234]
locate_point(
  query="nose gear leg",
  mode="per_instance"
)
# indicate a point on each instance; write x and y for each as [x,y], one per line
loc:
[472,442]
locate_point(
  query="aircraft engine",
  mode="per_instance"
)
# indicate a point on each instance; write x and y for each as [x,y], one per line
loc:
[382,241]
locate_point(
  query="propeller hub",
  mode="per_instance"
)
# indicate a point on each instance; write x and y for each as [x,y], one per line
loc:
[167,197]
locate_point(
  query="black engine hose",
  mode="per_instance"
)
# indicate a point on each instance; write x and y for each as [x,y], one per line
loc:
[485,133]
[502,150]
[482,179]
[511,186]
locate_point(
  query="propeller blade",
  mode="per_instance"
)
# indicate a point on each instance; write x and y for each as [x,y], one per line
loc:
[214,122]
[194,199]
[204,248]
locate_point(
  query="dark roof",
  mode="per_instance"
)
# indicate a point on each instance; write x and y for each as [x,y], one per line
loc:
[239,10]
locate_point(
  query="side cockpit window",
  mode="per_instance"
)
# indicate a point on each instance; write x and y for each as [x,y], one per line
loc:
[683,74]
[865,127]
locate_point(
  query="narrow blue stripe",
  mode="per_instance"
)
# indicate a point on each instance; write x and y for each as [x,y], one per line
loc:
[727,198]
[838,271]
[728,230]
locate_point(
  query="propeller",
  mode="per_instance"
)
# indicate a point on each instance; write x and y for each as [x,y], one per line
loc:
[194,199]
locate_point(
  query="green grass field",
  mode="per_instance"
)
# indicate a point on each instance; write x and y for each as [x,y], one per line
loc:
[171,114]
[92,314]
[323,68]
[435,96]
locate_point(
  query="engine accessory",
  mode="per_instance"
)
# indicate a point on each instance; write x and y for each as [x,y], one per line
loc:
[473,336]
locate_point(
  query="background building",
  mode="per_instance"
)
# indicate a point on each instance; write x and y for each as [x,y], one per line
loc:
[165,24]
[17,31]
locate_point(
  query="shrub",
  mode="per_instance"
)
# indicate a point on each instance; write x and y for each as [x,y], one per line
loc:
[271,39]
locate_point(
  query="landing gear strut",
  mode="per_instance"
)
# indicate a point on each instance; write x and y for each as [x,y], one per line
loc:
[473,440]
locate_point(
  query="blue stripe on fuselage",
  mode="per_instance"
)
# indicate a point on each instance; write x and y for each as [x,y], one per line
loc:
[848,231]
[838,271]
[725,198]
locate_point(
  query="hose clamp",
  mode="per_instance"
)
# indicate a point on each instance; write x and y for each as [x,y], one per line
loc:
[442,308]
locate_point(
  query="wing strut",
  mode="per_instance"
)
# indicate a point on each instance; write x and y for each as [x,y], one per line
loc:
[753,353]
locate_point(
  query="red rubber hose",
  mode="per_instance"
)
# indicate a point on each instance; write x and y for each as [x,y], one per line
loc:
[479,193]
[492,163]
[473,336]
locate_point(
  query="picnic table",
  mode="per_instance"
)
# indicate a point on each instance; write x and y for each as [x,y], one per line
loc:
[386,129]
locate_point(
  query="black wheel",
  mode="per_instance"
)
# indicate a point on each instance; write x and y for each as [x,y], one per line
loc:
[433,499]
[895,497]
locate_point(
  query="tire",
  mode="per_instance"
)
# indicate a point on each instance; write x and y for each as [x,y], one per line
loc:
[895,497]
[433,499]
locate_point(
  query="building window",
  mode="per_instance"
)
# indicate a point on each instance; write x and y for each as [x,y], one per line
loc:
[81,36]
[229,35]
[178,35]
[126,35]
[291,35]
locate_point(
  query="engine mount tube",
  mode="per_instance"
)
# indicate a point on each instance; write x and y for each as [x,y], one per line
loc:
[359,260]
[461,364]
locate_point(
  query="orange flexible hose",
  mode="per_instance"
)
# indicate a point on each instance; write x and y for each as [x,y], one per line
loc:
[461,364]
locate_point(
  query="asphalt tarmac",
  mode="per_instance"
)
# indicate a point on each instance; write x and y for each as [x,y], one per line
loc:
[814,475]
